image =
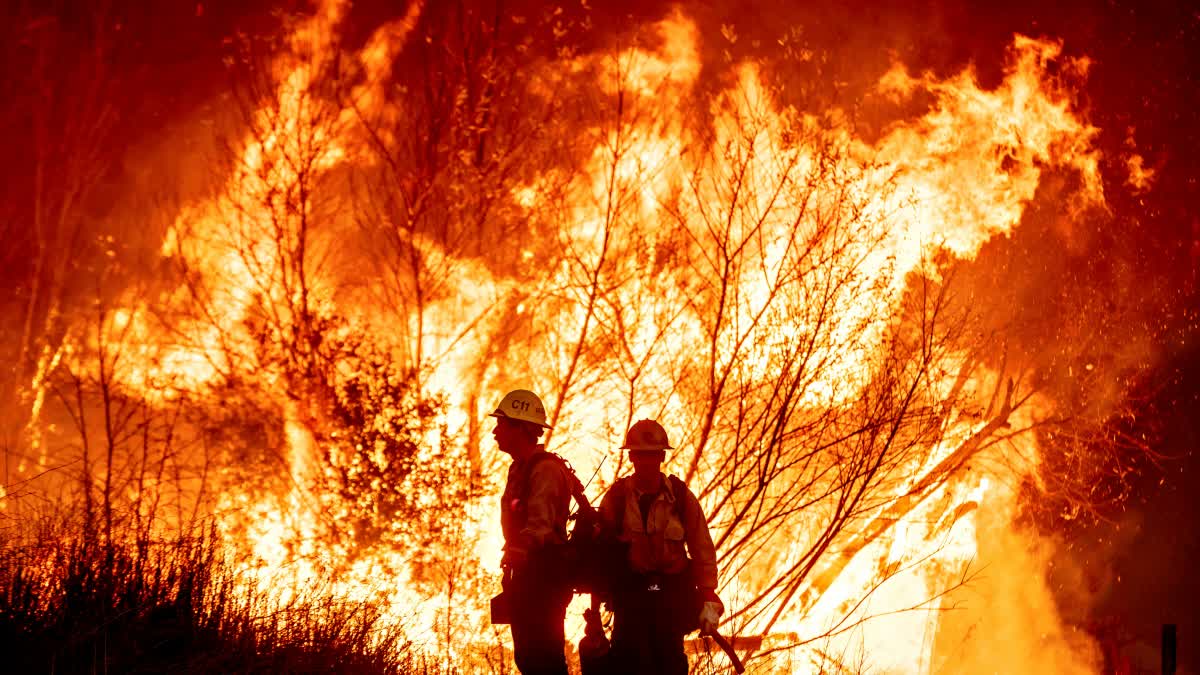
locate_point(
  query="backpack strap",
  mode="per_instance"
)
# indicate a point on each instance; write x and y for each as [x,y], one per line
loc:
[677,488]
[577,492]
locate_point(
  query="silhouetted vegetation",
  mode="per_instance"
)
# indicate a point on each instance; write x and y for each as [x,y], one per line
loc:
[68,605]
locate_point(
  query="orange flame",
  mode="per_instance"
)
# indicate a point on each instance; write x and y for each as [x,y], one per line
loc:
[658,211]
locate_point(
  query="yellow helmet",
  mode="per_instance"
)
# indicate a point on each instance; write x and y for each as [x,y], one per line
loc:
[646,435]
[523,405]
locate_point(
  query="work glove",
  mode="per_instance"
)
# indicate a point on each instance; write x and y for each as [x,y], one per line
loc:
[710,614]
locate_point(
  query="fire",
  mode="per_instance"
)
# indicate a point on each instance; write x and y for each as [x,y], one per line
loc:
[754,280]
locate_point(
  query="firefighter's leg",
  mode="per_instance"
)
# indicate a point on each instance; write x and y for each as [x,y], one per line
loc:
[538,635]
[632,650]
[671,657]
[667,641]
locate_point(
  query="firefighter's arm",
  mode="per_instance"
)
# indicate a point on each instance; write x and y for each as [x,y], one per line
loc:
[701,549]
[548,490]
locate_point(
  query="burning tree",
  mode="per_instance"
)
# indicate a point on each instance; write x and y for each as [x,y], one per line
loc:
[784,292]
[47,222]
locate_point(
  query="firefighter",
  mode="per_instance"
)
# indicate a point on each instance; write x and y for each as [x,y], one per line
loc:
[533,517]
[668,588]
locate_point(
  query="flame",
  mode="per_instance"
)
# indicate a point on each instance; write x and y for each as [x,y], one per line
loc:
[671,244]
[1141,177]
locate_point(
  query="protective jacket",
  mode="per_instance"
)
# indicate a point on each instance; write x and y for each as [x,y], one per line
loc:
[533,516]
[661,540]
[535,504]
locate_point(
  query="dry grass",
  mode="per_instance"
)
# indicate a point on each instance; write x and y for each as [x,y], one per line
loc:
[70,604]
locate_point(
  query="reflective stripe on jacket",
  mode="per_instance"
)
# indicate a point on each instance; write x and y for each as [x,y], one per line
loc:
[674,527]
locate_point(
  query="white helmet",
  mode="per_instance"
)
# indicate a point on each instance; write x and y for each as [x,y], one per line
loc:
[523,405]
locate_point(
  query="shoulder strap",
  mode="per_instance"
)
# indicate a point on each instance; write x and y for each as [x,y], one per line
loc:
[576,486]
[678,489]
[677,486]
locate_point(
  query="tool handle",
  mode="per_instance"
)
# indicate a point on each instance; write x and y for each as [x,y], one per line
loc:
[728,649]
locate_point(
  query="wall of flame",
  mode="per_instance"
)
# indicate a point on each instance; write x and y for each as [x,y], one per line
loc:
[669,234]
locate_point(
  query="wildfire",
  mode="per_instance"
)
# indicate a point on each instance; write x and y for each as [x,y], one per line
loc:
[748,278]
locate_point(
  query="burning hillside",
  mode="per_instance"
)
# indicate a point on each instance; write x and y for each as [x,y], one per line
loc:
[837,292]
